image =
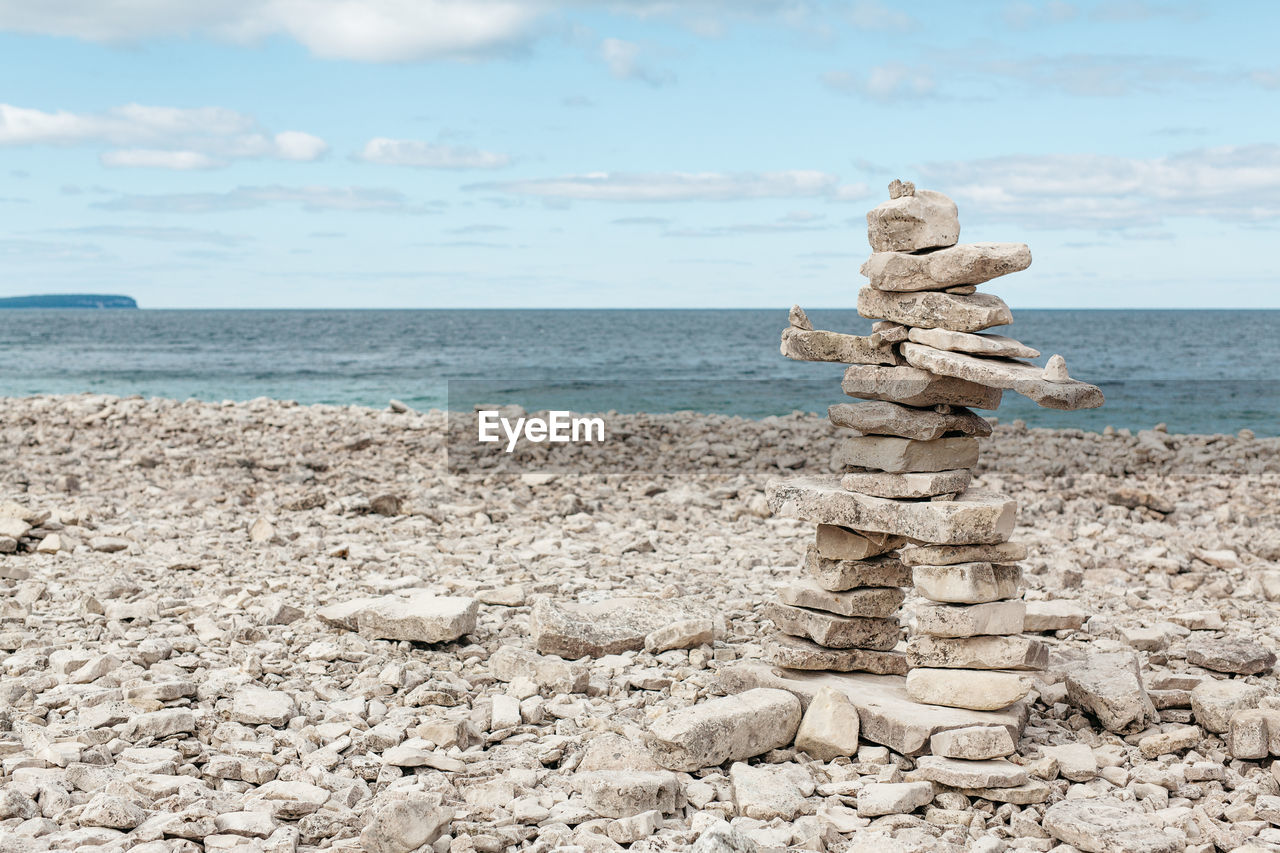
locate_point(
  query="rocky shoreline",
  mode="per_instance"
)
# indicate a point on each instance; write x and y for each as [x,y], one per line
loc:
[172,679]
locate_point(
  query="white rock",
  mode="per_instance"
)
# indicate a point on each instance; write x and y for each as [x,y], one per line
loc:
[256,706]
[731,728]
[881,798]
[829,727]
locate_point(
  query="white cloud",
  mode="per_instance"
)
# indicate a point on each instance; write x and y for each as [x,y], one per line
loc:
[311,198]
[159,137]
[1233,184]
[678,186]
[623,58]
[875,16]
[889,82]
[411,152]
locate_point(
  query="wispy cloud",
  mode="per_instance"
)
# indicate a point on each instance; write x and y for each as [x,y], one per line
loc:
[893,81]
[875,16]
[428,155]
[1232,184]
[680,186]
[159,137]
[159,234]
[24,249]
[625,61]
[313,198]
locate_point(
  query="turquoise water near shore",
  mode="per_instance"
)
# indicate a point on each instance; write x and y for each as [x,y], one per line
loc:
[1197,371]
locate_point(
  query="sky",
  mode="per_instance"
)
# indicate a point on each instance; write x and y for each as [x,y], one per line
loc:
[705,153]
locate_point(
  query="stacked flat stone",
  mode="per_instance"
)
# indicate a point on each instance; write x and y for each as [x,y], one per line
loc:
[904,469]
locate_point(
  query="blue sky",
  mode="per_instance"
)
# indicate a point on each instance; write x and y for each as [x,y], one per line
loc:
[462,153]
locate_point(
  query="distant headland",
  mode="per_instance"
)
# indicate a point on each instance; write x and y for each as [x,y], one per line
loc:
[69,300]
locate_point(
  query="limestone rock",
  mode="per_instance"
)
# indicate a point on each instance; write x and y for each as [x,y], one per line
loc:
[838,575]
[1106,825]
[840,543]
[905,486]
[956,773]
[969,620]
[819,345]
[875,602]
[1076,761]
[550,672]
[798,319]
[955,266]
[1054,615]
[881,798]
[967,583]
[723,838]
[1055,370]
[256,706]
[879,417]
[828,629]
[1031,791]
[731,728]
[829,727]
[1254,733]
[111,811]
[908,223]
[975,689]
[973,743]
[911,386]
[1214,701]
[1025,379]
[421,619]
[406,824]
[764,792]
[798,653]
[1242,657]
[604,628]
[931,309]
[1109,686]
[975,517]
[622,793]
[975,344]
[685,634]
[900,455]
[948,555]
[1128,496]
[1177,740]
[1009,652]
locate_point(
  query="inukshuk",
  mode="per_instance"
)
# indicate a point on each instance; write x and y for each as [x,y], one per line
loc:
[899,511]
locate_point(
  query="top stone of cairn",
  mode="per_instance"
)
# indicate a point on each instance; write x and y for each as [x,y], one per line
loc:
[912,220]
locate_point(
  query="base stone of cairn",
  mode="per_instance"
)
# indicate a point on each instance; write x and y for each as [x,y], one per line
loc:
[898,512]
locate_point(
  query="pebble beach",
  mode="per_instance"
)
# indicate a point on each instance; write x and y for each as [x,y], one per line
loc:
[178,673]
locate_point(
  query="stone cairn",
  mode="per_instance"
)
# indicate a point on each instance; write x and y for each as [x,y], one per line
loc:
[899,511]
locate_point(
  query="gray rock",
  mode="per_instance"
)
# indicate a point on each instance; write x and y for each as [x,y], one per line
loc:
[837,632]
[622,793]
[819,345]
[976,517]
[1054,615]
[840,543]
[905,486]
[1025,379]
[1008,652]
[764,792]
[1107,825]
[1109,686]
[798,653]
[879,417]
[957,773]
[1214,701]
[968,620]
[1241,657]
[111,811]
[967,583]
[948,555]
[882,798]
[723,838]
[407,824]
[604,628]
[973,743]
[422,618]
[830,726]
[1254,733]
[874,602]
[838,575]
[731,728]
[911,386]
[549,672]
[1076,761]
[901,455]
[798,319]
[257,706]
[931,309]
[975,344]
[955,266]
[977,690]
[923,220]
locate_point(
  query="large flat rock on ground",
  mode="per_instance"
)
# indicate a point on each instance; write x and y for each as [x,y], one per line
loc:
[976,517]
[887,714]
[617,625]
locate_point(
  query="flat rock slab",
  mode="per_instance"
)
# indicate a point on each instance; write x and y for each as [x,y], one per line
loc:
[973,743]
[923,484]
[419,619]
[1013,652]
[1107,825]
[912,386]
[841,543]
[798,653]
[969,620]
[1241,657]
[978,690]
[946,555]
[819,345]
[888,715]
[902,455]
[839,575]
[962,773]
[880,417]
[875,602]
[1109,686]
[975,517]
[931,309]
[610,627]
[731,728]
[975,344]
[1025,379]
[967,583]
[954,266]
[908,223]
[832,631]
[1054,616]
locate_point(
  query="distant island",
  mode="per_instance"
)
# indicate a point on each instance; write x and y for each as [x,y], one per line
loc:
[69,300]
